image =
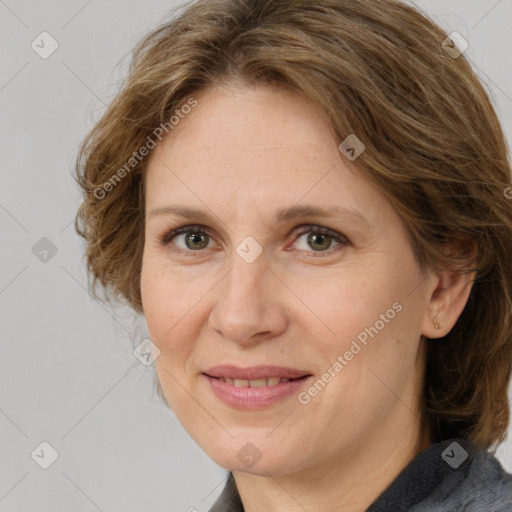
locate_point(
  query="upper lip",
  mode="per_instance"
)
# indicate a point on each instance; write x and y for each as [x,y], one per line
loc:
[255,372]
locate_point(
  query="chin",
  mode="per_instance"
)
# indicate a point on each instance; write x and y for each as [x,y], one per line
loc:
[249,459]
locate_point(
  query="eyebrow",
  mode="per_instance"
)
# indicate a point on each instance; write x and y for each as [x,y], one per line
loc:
[280,215]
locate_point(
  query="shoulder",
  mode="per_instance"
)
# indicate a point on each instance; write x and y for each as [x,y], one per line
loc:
[492,484]
[479,484]
[450,476]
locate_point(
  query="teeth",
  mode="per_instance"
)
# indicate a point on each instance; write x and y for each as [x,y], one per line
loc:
[273,381]
[255,383]
[259,383]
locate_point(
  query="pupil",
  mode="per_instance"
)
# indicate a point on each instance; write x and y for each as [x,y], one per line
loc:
[313,239]
[192,238]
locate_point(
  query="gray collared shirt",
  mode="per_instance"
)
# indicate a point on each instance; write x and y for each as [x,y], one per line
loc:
[450,476]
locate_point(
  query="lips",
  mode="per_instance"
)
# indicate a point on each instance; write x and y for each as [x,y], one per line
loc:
[254,388]
[255,373]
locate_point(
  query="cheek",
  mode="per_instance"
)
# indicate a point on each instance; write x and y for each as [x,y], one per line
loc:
[344,308]
[172,313]
[163,310]
[372,324]
[154,302]
[162,292]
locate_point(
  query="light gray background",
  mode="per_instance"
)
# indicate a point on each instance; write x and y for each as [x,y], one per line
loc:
[68,375]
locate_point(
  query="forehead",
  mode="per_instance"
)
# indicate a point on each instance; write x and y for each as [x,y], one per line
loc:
[228,123]
[254,149]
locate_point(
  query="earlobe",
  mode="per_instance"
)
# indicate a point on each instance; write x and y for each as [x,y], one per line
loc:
[434,329]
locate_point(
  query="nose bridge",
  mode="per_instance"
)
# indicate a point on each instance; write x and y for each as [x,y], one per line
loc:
[248,266]
[245,282]
[244,301]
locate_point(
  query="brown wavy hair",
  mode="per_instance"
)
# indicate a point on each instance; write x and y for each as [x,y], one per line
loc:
[434,147]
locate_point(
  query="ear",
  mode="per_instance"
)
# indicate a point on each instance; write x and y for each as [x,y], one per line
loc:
[448,295]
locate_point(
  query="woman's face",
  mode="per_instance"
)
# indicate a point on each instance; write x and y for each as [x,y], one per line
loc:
[255,288]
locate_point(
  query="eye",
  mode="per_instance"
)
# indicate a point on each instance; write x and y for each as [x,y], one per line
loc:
[197,238]
[320,239]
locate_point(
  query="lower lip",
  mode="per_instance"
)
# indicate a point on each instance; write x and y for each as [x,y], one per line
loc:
[255,398]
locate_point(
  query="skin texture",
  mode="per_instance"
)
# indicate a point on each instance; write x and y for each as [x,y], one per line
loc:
[239,155]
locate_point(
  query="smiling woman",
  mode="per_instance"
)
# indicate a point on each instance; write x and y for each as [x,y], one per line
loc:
[320,249]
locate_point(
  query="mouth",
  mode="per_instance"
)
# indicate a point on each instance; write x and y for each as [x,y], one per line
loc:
[255,394]
[255,376]
[255,387]
[257,383]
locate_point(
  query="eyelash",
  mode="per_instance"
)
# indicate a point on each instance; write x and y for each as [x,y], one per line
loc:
[166,238]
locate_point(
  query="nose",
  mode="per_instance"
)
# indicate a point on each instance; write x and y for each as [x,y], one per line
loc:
[248,310]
